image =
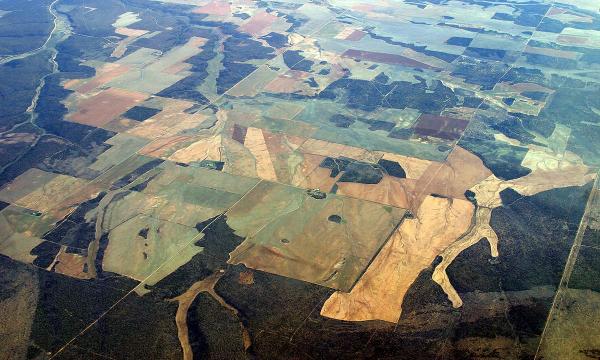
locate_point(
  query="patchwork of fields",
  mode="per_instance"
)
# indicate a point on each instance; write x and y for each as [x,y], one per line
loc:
[232,179]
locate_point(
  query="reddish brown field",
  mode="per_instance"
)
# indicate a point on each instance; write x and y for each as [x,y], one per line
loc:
[440,126]
[102,108]
[258,23]
[356,35]
[287,83]
[278,143]
[239,133]
[120,125]
[71,265]
[221,8]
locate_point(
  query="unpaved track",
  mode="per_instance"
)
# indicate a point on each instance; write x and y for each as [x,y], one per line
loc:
[564,280]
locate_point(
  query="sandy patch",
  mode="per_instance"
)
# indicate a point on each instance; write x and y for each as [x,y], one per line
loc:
[205,149]
[255,143]
[379,293]
[481,229]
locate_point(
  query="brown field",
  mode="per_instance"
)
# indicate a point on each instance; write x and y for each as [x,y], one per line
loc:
[170,121]
[568,16]
[217,7]
[255,142]
[258,23]
[313,249]
[70,264]
[263,154]
[342,35]
[325,148]
[277,142]
[289,82]
[366,7]
[132,35]
[356,35]
[130,32]
[461,171]
[196,41]
[256,152]
[71,84]
[203,149]
[350,34]
[239,133]
[40,190]
[413,167]
[102,108]
[310,175]
[120,125]
[103,76]
[281,148]
[389,191]
[67,202]
[379,293]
